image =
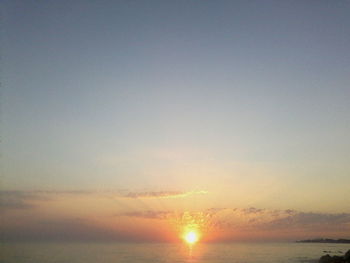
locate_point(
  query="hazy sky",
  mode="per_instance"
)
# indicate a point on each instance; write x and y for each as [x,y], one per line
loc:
[241,103]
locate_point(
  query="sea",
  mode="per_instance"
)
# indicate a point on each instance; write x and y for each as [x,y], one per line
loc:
[74,252]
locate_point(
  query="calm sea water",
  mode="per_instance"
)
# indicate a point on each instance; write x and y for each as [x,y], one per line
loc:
[159,253]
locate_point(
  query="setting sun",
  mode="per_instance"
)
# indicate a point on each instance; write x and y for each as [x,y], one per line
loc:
[191,237]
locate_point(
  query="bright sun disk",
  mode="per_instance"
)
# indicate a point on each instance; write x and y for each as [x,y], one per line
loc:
[191,237]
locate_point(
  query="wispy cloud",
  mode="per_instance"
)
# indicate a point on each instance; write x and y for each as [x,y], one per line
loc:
[276,220]
[18,199]
[163,194]
[47,194]
[310,220]
[15,199]
[149,214]
[65,230]
[246,219]
[14,204]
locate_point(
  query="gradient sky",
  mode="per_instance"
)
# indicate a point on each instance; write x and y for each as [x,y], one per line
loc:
[242,104]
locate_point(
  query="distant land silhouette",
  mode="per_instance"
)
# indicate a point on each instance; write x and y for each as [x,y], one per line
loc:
[324,240]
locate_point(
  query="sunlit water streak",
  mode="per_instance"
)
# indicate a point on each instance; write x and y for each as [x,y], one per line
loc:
[165,253]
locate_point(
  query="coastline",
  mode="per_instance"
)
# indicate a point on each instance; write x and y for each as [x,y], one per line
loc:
[325,240]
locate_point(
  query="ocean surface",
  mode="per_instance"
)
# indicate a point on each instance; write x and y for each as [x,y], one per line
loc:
[159,253]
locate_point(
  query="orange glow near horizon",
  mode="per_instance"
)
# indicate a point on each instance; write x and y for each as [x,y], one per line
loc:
[192,226]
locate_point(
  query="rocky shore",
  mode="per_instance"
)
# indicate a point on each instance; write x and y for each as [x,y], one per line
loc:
[335,259]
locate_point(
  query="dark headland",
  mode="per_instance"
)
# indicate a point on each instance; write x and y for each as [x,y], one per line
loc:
[325,240]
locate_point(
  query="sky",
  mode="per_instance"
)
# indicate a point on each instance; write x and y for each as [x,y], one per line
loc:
[230,116]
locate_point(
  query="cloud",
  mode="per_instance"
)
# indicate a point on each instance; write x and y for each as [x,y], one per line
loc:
[256,219]
[20,199]
[310,220]
[75,229]
[149,214]
[162,194]
[24,200]
[17,200]
[224,219]
[253,210]
[14,204]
